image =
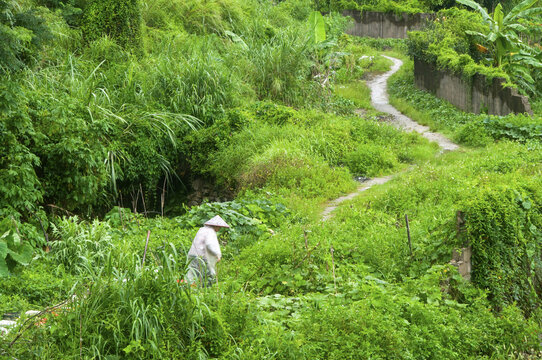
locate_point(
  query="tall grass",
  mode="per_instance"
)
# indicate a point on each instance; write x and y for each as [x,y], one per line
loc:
[194,16]
[357,92]
[281,67]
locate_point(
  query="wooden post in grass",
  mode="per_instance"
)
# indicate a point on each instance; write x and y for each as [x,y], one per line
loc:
[146,244]
[134,201]
[143,199]
[163,197]
[80,336]
[408,234]
[333,267]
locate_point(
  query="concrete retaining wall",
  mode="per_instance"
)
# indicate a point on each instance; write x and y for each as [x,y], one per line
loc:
[385,25]
[477,95]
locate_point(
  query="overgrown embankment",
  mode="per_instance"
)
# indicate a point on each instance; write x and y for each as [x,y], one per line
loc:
[265,86]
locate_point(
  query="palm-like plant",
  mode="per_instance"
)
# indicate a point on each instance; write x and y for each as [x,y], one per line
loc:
[503,38]
[504,43]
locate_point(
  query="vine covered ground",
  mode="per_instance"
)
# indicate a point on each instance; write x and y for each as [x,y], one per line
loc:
[106,131]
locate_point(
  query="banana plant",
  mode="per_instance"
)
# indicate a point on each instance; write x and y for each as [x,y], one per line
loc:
[317,27]
[502,38]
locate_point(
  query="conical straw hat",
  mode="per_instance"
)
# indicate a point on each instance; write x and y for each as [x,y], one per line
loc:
[217,221]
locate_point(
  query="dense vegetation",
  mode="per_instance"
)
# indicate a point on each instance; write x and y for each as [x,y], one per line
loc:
[403,6]
[497,45]
[111,111]
[396,6]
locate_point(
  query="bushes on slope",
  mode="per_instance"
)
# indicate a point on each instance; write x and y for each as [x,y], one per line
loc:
[120,20]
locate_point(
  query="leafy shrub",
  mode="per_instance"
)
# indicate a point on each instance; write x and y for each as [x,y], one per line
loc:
[13,251]
[20,185]
[298,9]
[80,247]
[503,229]
[446,43]
[285,166]
[271,113]
[201,146]
[370,160]
[71,10]
[39,285]
[120,20]
[517,128]
[22,32]
[71,159]
[249,218]
[473,134]
[246,211]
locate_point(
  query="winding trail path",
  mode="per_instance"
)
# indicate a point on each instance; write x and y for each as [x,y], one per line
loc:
[380,101]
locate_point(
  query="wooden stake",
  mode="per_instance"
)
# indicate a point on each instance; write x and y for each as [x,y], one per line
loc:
[333,267]
[163,198]
[80,336]
[134,202]
[408,234]
[143,199]
[146,244]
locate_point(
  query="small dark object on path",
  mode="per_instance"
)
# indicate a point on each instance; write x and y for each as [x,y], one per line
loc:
[361,179]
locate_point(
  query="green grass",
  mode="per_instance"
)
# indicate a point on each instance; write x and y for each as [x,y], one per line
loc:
[290,286]
[357,92]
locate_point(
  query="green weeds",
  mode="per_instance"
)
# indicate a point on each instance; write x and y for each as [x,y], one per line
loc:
[357,92]
[237,94]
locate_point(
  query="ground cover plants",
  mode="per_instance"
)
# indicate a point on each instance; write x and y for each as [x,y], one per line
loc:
[104,130]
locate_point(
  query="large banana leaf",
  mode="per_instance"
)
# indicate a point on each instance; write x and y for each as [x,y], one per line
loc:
[519,9]
[474,5]
[318,27]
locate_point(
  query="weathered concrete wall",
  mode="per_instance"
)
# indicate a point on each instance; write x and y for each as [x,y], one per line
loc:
[385,25]
[475,96]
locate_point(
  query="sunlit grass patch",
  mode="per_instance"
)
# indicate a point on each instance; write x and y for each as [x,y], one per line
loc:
[356,91]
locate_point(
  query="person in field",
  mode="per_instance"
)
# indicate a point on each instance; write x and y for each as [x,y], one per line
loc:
[205,253]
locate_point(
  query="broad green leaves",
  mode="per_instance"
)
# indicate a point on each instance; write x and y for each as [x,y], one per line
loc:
[3,253]
[504,41]
[317,27]
[13,251]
